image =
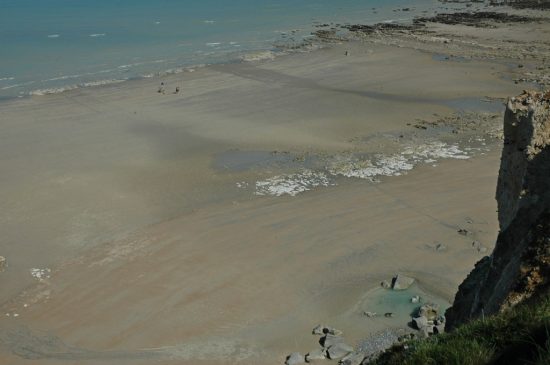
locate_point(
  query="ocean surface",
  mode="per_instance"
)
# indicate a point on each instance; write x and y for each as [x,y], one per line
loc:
[48,46]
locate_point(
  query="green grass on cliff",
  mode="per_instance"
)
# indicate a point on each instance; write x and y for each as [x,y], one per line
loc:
[519,336]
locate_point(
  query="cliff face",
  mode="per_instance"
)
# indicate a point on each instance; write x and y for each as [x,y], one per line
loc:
[519,267]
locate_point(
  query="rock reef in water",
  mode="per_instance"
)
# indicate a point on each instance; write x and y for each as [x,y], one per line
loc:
[519,267]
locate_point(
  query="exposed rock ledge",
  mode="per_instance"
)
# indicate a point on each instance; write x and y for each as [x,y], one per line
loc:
[519,267]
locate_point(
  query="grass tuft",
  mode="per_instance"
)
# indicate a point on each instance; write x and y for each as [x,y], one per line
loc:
[520,335]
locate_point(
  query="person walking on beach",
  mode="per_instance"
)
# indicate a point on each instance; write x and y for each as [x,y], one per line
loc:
[161,88]
[177,90]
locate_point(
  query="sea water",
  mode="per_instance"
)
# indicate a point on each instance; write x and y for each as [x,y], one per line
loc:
[54,45]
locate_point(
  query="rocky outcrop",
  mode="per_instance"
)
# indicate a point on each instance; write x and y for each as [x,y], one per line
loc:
[519,267]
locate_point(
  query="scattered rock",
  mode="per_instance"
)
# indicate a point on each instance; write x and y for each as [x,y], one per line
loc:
[481,19]
[385,284]
[478,246]
[339,350]
[401,282]
[464,232]
[317,354]
[370,314]
[389,315]
[406,337]
[440,328]
[3,263]
[415,299]
[294,358]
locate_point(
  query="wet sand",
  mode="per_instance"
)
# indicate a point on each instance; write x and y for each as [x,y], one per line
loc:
[161,253]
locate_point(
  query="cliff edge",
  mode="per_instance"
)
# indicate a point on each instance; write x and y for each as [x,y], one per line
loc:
[519,267]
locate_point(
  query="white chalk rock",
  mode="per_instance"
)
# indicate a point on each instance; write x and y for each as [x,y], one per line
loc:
[339,351]
[352,359]
[401,282]
[295,358]
[317,354]
[330,340]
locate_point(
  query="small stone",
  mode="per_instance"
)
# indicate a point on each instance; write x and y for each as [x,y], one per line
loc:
[3,263]
[385,284]
[318,330]
[317,354]
[479,247]
[370,314]
[415,299]
[338,351]
[294,358]
[389,315]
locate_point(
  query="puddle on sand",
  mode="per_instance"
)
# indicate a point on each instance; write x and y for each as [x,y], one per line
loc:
[444,57]
[475,105]
[399,303]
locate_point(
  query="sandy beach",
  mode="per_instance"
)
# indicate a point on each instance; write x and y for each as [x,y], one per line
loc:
[219,225]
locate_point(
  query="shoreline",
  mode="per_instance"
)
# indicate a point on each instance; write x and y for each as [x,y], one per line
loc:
[134,199]
[277,49]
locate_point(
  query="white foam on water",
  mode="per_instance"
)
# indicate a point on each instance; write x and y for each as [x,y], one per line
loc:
[54,36]
[396,164]
[95,35]
[213,44]
[381,165]
[58,90]
[7,78]
[258,56]
[17,85]
[209,21]
[292,184]
[434,150]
